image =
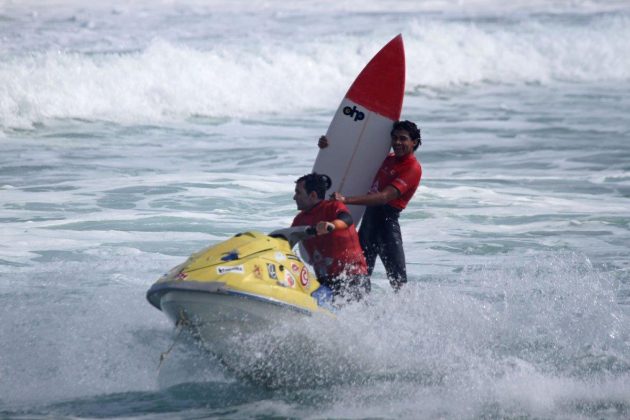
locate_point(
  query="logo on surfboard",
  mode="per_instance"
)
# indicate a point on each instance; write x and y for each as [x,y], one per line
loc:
[353,113]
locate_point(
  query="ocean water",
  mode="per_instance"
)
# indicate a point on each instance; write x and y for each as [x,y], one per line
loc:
[135,133]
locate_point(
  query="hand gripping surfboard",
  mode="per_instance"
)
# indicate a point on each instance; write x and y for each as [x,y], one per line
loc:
[359,134]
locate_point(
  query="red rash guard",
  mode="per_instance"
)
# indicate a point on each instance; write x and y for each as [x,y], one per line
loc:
[403,174]
[337,252]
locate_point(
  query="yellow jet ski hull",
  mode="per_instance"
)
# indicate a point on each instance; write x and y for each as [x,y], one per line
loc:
[241,284]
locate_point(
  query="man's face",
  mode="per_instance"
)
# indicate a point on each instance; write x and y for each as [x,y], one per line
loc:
[303,200]
[402,144]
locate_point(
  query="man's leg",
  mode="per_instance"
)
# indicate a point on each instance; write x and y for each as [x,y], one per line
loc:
[369,237]
[392,252]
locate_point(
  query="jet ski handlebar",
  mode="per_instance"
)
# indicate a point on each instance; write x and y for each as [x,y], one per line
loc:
[296,233]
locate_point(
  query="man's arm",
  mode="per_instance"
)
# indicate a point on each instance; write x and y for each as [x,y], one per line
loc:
[343,221]
[388,194]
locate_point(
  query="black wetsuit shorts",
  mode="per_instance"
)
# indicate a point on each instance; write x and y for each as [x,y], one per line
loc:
[380,236]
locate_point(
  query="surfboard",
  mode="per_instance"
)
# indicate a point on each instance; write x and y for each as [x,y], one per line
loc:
[359,134]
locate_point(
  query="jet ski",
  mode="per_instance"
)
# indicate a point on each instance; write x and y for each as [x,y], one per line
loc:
[242,285]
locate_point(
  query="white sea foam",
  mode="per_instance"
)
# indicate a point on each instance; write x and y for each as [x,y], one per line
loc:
[532,51]
[450,6]
[488,343]
[155,79]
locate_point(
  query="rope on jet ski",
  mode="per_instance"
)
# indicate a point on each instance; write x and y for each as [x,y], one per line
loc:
[182,321]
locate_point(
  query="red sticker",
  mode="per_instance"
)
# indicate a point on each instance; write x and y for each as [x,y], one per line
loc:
[288,277]
[304,277]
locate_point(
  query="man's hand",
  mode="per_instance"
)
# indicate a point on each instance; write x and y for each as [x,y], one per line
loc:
[323,228]
[337,197]
[323,142]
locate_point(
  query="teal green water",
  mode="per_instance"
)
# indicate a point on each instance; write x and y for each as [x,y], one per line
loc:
[122,153]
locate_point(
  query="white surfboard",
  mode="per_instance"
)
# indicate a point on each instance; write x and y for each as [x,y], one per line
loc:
[359,134]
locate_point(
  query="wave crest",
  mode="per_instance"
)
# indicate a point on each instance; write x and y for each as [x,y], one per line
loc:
[171,81]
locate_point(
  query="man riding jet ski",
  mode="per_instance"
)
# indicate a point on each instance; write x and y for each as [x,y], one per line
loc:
[252,280]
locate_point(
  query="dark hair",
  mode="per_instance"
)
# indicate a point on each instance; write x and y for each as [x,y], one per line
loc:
[411,128]
[316,182]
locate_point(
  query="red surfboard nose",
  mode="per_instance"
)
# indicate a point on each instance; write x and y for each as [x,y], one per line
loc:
[380,86]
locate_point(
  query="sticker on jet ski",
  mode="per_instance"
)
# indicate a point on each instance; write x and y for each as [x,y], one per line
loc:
[288,281]
[288,277]
[304,280]
[271,270]
[234,269]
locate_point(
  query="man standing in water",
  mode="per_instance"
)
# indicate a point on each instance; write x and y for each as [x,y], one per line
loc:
[334,252]
[394,185]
